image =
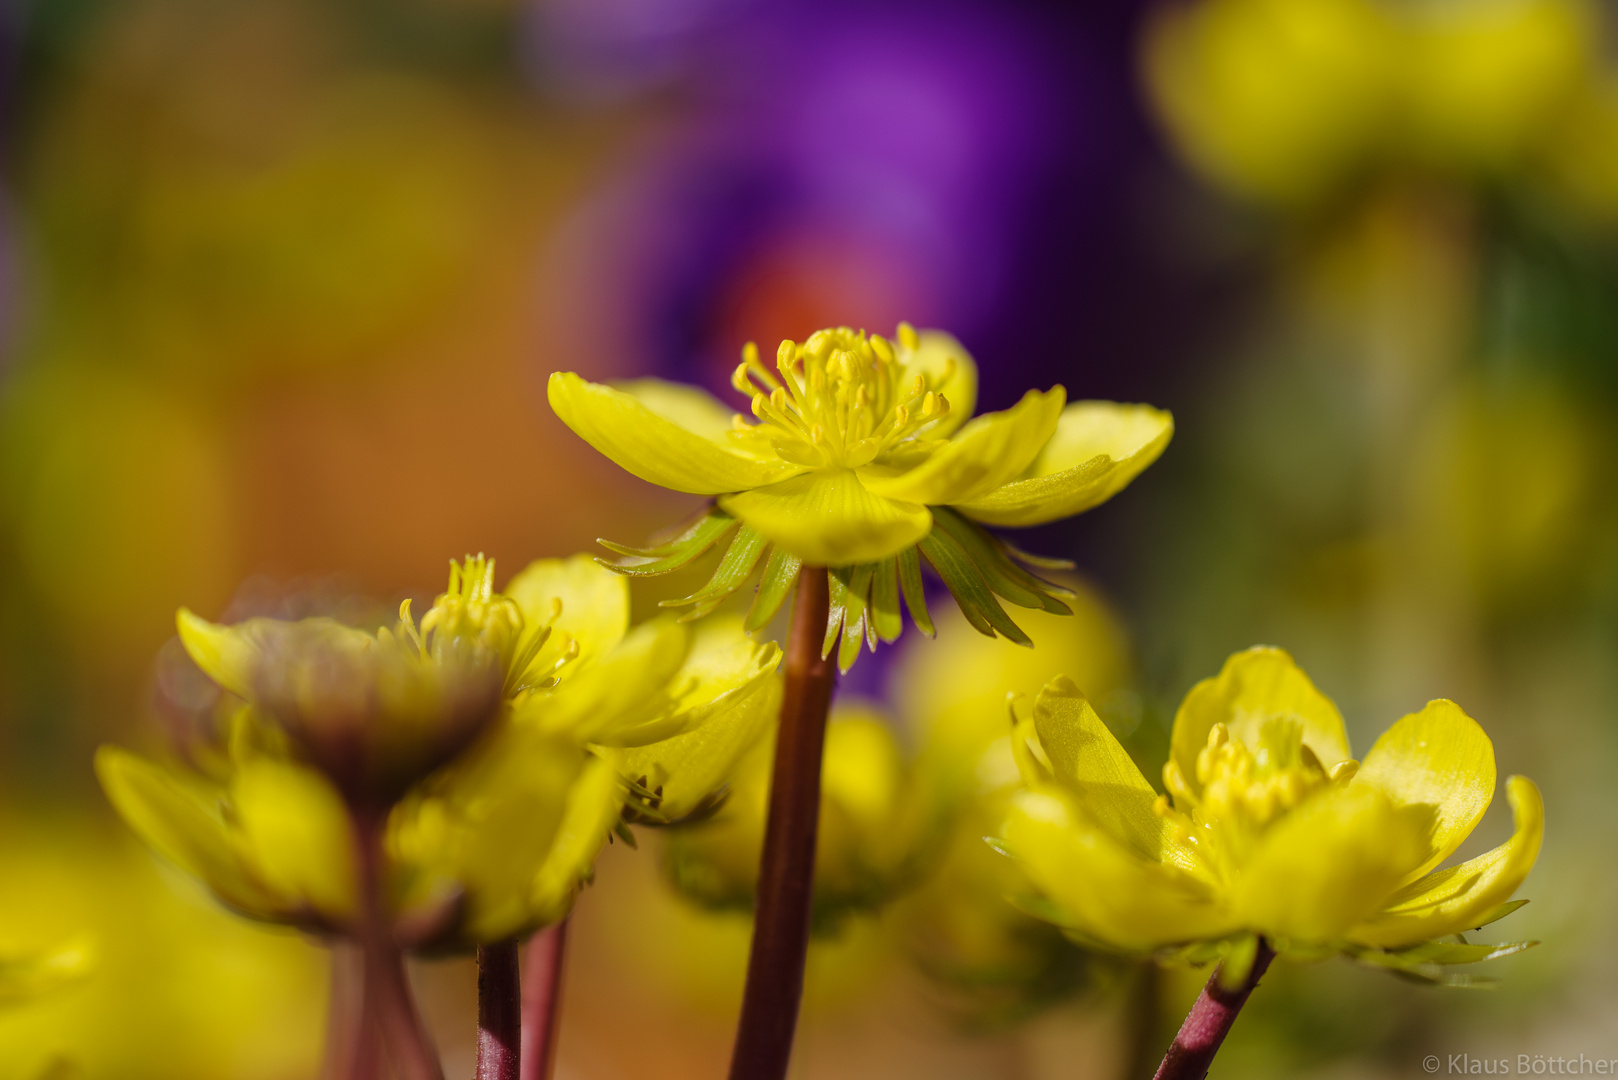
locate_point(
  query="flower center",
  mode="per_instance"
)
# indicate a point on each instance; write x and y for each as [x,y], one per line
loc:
[470,622]
[841,398]
[1245,789]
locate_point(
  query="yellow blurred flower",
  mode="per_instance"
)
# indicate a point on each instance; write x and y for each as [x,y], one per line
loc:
[492,736]
[249,999]
[862,458]
[875,833]
[1507,497]
[1287,101]
[1273,830]
[997,963]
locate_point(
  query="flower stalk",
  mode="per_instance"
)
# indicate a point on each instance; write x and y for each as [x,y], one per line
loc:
[542,1001]
[1209,1021]
[388,1012]
[499,1011]
[775,964]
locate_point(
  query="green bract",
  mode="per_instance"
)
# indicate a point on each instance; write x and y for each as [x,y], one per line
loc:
[1272,831]
[492,824]
[863,457]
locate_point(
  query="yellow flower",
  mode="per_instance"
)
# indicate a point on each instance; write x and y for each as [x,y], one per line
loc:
[875,833]
[1273,830]
[862,452]
[491,839]
[1287,101]
[996,963]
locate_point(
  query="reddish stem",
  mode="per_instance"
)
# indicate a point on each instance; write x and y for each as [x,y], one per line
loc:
[1209,1021]
[787,869]
[352,1050]
[388,1012]
[542,1001]
[499,1011]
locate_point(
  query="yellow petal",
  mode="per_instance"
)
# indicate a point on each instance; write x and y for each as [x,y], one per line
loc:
[1327,865]
[1459,898]
[226,654]
[829,517]
[230,655]
[1438,759]
[1253,687]
[1111,895]
[293,830]
[594,607]
[657,448]
[593,805]
[180,821]
[620,692]
[934,353]
[502,811]
[695,765]
[1098,448]
[720,701]
[987,452]
[1097,772]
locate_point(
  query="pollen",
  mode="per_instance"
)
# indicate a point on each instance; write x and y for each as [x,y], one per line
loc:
[840,398]
[1244,789]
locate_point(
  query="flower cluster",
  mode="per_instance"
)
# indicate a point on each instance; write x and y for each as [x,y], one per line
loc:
[495,740]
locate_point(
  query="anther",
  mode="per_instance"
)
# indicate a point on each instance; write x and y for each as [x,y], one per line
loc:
[908,337]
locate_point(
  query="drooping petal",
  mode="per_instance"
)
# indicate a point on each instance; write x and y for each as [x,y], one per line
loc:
[1097,772]
[985,453]
[593,804]
[1252,688]
[1110,894]
[293,831]
[655,447]
[935,353]
[180,822]
[495,819]
[618,692]
[1461,897]
[830,517]
[1097,449]
[1438,759]
[690,768]
[1327,865]
[723,665]
[594,607]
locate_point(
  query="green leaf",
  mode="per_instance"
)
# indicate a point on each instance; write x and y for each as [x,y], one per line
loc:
[732,573]
[1040,562]
[780,574]
[885,615]
[1003,576]
[915,595]
[837,579]
[1499,913]
[971,592]
[854,616]
[676,553]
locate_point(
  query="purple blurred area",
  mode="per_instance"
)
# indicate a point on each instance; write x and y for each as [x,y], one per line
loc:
[975,166]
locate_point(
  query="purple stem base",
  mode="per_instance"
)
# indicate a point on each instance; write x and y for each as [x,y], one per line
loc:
[1209,1021]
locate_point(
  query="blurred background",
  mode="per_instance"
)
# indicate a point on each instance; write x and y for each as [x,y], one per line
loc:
[281,282]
